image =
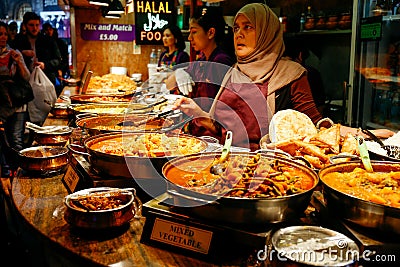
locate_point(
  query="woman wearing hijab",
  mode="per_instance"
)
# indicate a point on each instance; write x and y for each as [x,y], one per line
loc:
[260,74]
[260,84]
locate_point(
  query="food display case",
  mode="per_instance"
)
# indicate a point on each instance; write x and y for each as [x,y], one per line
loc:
[374,95]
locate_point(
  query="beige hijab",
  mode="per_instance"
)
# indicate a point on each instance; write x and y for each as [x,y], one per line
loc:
[265,62]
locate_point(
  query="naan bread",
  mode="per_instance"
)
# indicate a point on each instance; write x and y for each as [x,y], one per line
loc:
[290,124]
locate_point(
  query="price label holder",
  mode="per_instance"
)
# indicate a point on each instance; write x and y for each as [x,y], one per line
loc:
[167,229]
[73,180]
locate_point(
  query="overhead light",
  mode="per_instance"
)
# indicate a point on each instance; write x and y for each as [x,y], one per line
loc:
[116,7]
[104,12]
[99,2]
[113,16]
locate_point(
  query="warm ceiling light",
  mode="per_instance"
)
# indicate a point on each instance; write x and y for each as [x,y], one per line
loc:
[104,12]
[99,2]
[116,7]
[113,16]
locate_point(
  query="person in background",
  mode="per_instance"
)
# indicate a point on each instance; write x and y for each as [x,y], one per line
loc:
[13,118]
[22,29]
[202,78]
[175,45]
[37,49]
[297,52]
[63,69]
[261,83]
[12,32]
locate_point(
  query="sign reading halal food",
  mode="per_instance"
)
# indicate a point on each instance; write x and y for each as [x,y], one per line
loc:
[107,32]
[150,17]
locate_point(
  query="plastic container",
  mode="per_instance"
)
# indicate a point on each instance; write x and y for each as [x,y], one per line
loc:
[152,69]
[118,70]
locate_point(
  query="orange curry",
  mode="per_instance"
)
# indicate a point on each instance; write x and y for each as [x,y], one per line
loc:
[378,187]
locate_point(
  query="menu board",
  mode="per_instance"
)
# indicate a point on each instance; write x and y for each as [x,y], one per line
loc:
[107,32]
[151,16]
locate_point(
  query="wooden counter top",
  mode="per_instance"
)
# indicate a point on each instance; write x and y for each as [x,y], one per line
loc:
[40,202]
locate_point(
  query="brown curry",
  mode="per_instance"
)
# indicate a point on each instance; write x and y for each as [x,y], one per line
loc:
[244,176]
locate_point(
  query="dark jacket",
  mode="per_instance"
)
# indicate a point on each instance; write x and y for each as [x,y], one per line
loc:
[46,51]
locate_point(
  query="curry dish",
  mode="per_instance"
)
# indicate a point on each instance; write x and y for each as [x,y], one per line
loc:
[100,201]
[149,145]
[377,187]
[251,176]
[105,99]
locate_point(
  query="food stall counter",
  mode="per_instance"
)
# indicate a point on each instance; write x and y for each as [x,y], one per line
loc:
[39,209]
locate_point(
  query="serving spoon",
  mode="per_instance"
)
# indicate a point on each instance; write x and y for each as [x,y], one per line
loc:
[364,155]
[219,167]
[46,129]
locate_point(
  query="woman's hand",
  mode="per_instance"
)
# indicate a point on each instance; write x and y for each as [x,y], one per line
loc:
[189,107]
[383,133]
[28,53]
[40,64]
[16,56]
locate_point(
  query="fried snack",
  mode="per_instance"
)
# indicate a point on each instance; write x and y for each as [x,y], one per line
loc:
[290,124]
[314,161]
[112,81]
[349,145]
[319,148]
[331,137]
[312,150]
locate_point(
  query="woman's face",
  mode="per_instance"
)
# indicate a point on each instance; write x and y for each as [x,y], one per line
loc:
[168,38]
[3,37]
[244,36]
[198,38]
[49,31]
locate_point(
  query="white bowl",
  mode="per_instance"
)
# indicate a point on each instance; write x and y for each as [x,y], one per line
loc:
[118,70]
[136,76]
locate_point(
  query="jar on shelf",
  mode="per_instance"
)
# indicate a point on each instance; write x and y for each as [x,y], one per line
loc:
[345,21]
[310,23]
[320,25]
[332,22]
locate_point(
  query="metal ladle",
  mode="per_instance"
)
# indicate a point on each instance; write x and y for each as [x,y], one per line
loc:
[219,167]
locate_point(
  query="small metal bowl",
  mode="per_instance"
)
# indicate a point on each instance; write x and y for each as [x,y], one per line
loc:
[53,138]
[313,246]
[44,159]
[102,218]
[61,110]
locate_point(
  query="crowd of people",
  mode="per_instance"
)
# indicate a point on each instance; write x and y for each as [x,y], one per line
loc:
[21,52]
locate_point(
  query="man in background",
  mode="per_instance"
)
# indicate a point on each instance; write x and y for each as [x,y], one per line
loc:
[38,49]
[12,32]
[63,69]
[297,51]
